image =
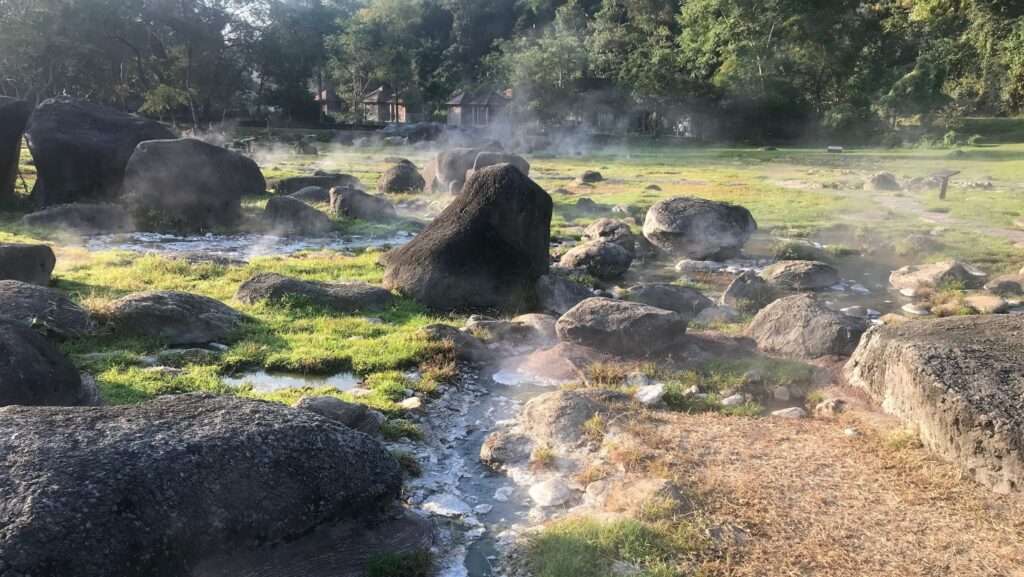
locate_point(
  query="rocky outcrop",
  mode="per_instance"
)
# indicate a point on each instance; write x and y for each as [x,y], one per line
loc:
[611,230]
[176,318]
[81,149]
[354,203]
[31,263]
[33,372]
[47,310]
[799,326]
[149,490]
[486,250]
[949,273]
[401,178]
[325,181]
[683,300]
[188,185]
[13,118]
[800,275]
[697,228]
[290,215]
[598,258]
[622,327]
[960,382]
[82,218]
[341,297]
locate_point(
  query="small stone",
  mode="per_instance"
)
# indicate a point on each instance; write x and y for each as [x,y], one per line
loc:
[790,413]
[829,408]
[915,310]
[446,506]
[855,311]
[851,432]
[688,266]
[483,508]
[650,395]
[637,380]
[503,494]
[734,400]
[411,404]
[550,493]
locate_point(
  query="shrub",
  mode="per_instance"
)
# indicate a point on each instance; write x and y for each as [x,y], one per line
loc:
[951,139]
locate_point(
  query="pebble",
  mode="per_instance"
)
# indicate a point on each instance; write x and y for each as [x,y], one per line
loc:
[503,494]
[483,509]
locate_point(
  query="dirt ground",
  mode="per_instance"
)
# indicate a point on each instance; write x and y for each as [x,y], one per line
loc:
[805,497]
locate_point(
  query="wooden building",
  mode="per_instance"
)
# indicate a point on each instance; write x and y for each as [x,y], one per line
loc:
[384,105]
[467,109]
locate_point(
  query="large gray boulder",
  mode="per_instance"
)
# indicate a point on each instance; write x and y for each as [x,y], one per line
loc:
[353,415]
[400,178]
[451,167]
[697,228]
[557,418]
[32,372]
[31,263]
[800,275]
[622,327]
[289,215]
[45,309]
[13,118]
[680,299]
[492,158]
[748,292]
[342,297]
[354,203]
[960,382]
[188,185]
[149,490]
[173,317]
[599,258]
[799,326]
[557,294]
[324,180]
[81,149]
[486,250]
[82,218]
[312,194]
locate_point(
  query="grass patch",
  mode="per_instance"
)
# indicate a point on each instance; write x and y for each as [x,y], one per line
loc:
[588,548]
[415,564]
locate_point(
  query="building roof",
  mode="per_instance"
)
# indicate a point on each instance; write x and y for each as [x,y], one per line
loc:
[482,97]
[382,94]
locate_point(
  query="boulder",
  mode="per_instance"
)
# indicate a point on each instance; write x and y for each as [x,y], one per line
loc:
[354,203]
[325,181]
[486,250]
[1006,285]
[176,318]
[312,194]
[401,178]
[541,328]
[686,301]
[748,292]
[488,158]
[800,275]
[557,294]
[452,166]
[949,273]
[600,259]
[290,215]
[960,382]
[32,372]
[799,326]
[589,177]
[81,150]
[188,185]
[697,228]
[611,230]
[502,448]
[557,418]
[45,309]
[341,297]
[149,490]
[352,415]
[561,364]
[550,493]
[882,181]
[31,263]
[525,330]
[82,218]
[622,327]
[13,118]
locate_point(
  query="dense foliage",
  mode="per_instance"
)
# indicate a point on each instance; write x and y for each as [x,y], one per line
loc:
[744,69]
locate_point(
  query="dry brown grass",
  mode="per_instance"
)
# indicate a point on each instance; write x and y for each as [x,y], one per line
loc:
[812,501]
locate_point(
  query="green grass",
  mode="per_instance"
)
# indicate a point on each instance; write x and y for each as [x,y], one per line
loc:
[415,564]
[586,547]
